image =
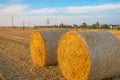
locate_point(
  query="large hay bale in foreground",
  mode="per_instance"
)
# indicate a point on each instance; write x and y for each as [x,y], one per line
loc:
[43,46]
[89,55]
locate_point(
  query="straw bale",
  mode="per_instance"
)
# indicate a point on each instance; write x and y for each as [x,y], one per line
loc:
[116,33]
[43,46]
[92,55]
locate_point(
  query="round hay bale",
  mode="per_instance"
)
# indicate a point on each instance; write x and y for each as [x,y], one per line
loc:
[89,55]
[43,46]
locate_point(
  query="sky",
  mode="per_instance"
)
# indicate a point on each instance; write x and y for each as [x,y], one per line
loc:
[36,12]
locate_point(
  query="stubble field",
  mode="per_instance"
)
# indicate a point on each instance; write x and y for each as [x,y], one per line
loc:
[15,60]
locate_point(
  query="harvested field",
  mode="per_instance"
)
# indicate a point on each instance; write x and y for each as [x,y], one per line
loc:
[17,34]
[16,63]
[15,60]
[2,77]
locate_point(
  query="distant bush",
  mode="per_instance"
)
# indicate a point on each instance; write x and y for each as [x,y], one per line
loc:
[118,28]
[64,26]
[84,25]
[105,26]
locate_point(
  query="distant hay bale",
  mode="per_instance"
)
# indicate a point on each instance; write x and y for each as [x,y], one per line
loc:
[89,55]
[43,46]
[116,33]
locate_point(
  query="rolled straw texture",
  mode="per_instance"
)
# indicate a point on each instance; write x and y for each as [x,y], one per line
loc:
[89,55]
[43,46]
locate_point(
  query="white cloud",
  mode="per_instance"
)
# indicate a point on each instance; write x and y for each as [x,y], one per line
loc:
[13,9]
[43,11]
[22,9]
[76,9]
[87,9]
[57,14]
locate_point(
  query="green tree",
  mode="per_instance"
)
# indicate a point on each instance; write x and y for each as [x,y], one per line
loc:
[118,27]
[84,25]
[97,25]
[105,26]
[61,25]
[93,26]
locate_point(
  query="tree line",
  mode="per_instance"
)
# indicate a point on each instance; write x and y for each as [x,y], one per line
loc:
[96,25]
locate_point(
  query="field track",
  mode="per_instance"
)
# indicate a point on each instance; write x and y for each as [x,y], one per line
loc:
[15,60]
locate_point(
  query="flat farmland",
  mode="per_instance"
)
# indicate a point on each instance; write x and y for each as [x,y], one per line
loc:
[15,59]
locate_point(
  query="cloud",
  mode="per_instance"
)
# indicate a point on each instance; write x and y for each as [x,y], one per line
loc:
[43,11]
[23,9]
[13,9]
[87,9]
[76,9]
[68,15]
